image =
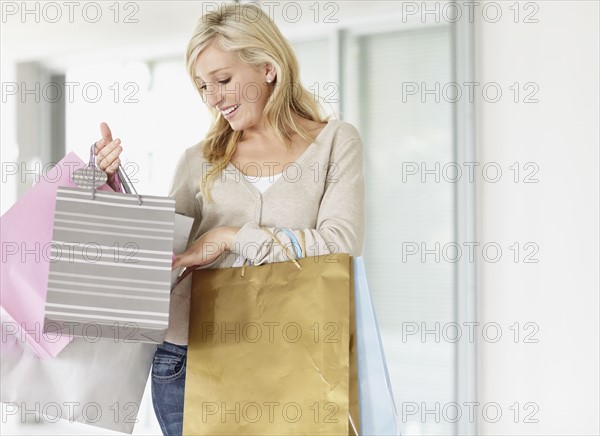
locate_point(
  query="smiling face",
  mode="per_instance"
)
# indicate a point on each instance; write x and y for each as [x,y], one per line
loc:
[236,89]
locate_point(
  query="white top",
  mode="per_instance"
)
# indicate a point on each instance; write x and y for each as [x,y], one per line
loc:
[262,183]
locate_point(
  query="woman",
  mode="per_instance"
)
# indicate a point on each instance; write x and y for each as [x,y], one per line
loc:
[269,161]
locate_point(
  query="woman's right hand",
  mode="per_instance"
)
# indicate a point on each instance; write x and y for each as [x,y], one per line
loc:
[107,153]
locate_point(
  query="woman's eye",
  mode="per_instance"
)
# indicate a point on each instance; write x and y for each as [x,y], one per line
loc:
[223,82]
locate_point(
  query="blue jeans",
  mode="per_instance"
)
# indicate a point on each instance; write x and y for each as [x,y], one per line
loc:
[168,386]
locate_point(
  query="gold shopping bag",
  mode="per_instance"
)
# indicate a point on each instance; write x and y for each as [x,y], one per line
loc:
[271,350]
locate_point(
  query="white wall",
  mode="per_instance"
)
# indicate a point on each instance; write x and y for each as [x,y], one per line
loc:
[560,214]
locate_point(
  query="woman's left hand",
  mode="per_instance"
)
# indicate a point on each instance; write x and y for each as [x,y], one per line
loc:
[207,248]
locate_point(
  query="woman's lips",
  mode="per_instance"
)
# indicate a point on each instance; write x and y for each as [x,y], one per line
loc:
[230,114]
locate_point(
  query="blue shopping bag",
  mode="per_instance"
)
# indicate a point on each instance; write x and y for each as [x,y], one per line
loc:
[377,408]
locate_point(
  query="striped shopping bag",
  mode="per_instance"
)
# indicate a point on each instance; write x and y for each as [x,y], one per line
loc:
[110,267]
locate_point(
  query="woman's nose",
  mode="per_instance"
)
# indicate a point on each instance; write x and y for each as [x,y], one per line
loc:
[214,97]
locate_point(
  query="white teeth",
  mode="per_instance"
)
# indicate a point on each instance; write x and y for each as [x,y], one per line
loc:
[231,109]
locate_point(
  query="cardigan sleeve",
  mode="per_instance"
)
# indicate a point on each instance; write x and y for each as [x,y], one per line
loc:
[182,190]
[340,221]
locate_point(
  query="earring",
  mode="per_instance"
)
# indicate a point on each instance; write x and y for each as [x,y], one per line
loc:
[269,80]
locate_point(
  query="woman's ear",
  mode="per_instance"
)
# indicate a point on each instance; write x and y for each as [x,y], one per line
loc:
[270,73]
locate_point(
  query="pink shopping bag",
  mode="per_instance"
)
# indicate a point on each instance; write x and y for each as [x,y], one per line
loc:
[26,235]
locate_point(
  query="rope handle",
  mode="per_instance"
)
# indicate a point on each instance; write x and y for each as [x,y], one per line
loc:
[283,247]
[300,251]
[303,242]
[125,180]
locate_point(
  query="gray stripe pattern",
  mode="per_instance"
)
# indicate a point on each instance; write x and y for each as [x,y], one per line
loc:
[110,264]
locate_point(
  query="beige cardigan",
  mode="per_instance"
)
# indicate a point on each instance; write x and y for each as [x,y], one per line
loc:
[321,194]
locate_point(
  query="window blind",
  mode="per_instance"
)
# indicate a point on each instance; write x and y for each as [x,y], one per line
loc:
[399,128]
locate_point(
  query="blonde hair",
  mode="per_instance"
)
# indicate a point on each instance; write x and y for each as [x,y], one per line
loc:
[248,31]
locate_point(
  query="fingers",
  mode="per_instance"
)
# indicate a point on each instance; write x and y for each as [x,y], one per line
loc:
[108,151]
[185,259]
[106,133]
[176,263]
[106,137]
[196,255]
[108,156]
[202,252]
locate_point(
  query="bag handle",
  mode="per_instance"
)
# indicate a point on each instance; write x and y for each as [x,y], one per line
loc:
[283,247]
[303,242]
[124,178]
[299,249]
[293,259]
